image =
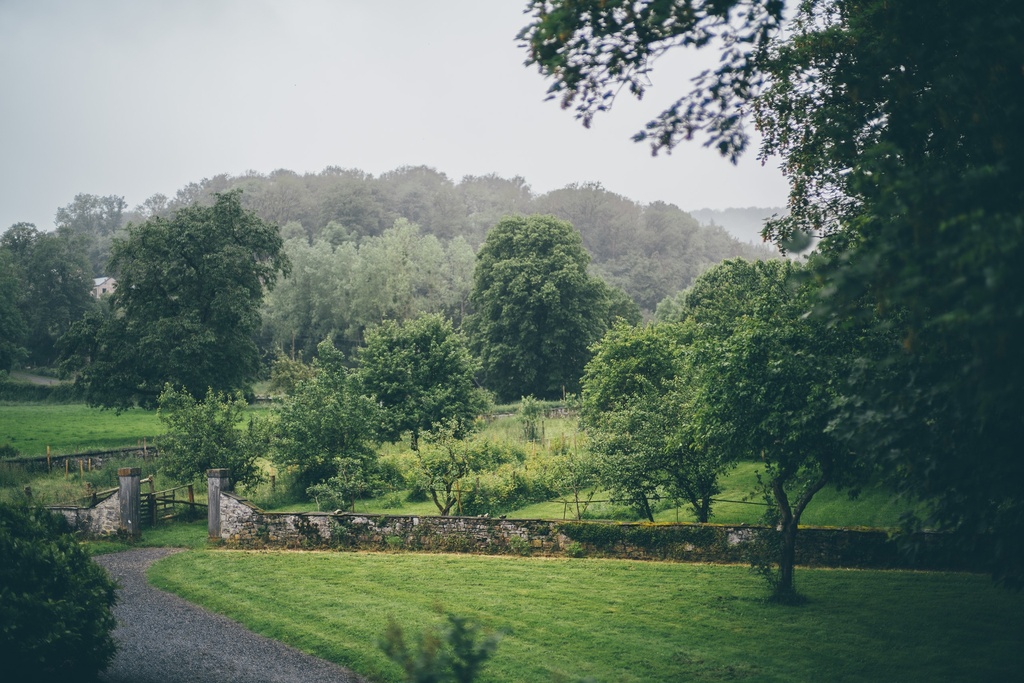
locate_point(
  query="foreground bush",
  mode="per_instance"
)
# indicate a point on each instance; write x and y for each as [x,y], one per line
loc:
[55,602]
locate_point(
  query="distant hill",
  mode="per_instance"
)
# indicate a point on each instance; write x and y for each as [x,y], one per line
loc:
[743,224]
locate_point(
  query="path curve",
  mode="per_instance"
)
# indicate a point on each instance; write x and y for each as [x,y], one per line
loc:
[164,639]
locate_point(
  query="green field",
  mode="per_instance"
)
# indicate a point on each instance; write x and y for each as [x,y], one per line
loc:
[73,428]
[613,620]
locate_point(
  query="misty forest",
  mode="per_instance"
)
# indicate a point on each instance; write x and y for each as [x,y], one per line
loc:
[366,249]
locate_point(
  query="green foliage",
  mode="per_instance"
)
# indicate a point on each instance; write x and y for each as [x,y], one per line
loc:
[204,434]
[286,374]
[770,375]
[455,653]
[325,423]
[12,325]
[537,310]
[530,412]
[902,145]
[16,391]
[638,397]
[185,310]
[340,287]
[596,48]
[421,373]
[444,461]
[55,603]
[45,286]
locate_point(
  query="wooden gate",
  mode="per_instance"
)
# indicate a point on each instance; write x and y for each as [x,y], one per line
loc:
[158,506]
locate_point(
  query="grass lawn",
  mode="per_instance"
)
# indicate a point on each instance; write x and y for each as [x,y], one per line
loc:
[614,620]
[168,535]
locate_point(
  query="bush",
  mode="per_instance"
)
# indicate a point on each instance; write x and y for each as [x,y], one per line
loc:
[55,602]
[456,652]
[23,392]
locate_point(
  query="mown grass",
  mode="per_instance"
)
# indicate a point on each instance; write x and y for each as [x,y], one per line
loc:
[167,535]
[613,620]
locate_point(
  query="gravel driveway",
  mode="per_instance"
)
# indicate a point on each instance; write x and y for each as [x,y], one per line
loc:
[163,639]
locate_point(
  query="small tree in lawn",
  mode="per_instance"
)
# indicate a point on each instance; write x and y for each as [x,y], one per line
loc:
[576,474]
[444,460]
[770,379]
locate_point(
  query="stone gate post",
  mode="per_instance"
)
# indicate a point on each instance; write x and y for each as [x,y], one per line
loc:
[130,500]
[216,481]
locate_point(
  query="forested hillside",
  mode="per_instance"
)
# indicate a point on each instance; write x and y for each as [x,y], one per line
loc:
[367,248]
[649,251]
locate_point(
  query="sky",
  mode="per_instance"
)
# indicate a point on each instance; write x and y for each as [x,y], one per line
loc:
[139,97]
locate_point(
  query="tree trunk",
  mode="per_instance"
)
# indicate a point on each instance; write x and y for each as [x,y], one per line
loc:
[787,559]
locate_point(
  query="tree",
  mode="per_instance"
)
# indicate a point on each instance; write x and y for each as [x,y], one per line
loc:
[421,373]
[186,308]
[327,424]
[204,434]
[770,376]
[12,326]
[96,221]
[55,602]
[54,285]
[444,460]
[536,309]
[638,393]
[456,653]
[902,145]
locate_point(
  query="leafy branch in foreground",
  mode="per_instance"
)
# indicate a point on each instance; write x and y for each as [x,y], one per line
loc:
[456,652]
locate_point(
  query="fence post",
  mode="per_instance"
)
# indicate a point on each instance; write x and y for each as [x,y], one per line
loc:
[129,498]
[216,481]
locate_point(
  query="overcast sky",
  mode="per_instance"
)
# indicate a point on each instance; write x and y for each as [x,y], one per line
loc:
[137,97]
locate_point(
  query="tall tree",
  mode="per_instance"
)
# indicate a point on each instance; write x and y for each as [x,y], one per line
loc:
[537,310]
[902,143]
[421,373]
[55,285]
[186,308]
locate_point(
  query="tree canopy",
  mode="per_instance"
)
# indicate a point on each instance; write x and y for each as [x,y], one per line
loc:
[186,308]
[536,308]
[421,373]
[899,128]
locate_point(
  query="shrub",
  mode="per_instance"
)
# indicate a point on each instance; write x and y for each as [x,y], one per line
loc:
[55,602]
[454,653]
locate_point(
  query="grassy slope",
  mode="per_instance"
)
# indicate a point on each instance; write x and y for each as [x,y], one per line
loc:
[72,428]
[616,620]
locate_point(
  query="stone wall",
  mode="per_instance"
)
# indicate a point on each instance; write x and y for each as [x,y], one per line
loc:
[242,525]
[102,519]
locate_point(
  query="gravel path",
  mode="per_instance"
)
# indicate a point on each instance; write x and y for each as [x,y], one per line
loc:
[163,639]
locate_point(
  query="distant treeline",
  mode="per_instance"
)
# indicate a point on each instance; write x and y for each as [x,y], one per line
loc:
[368,248]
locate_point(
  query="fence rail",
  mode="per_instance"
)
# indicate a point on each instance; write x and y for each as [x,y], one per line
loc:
[157,506]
